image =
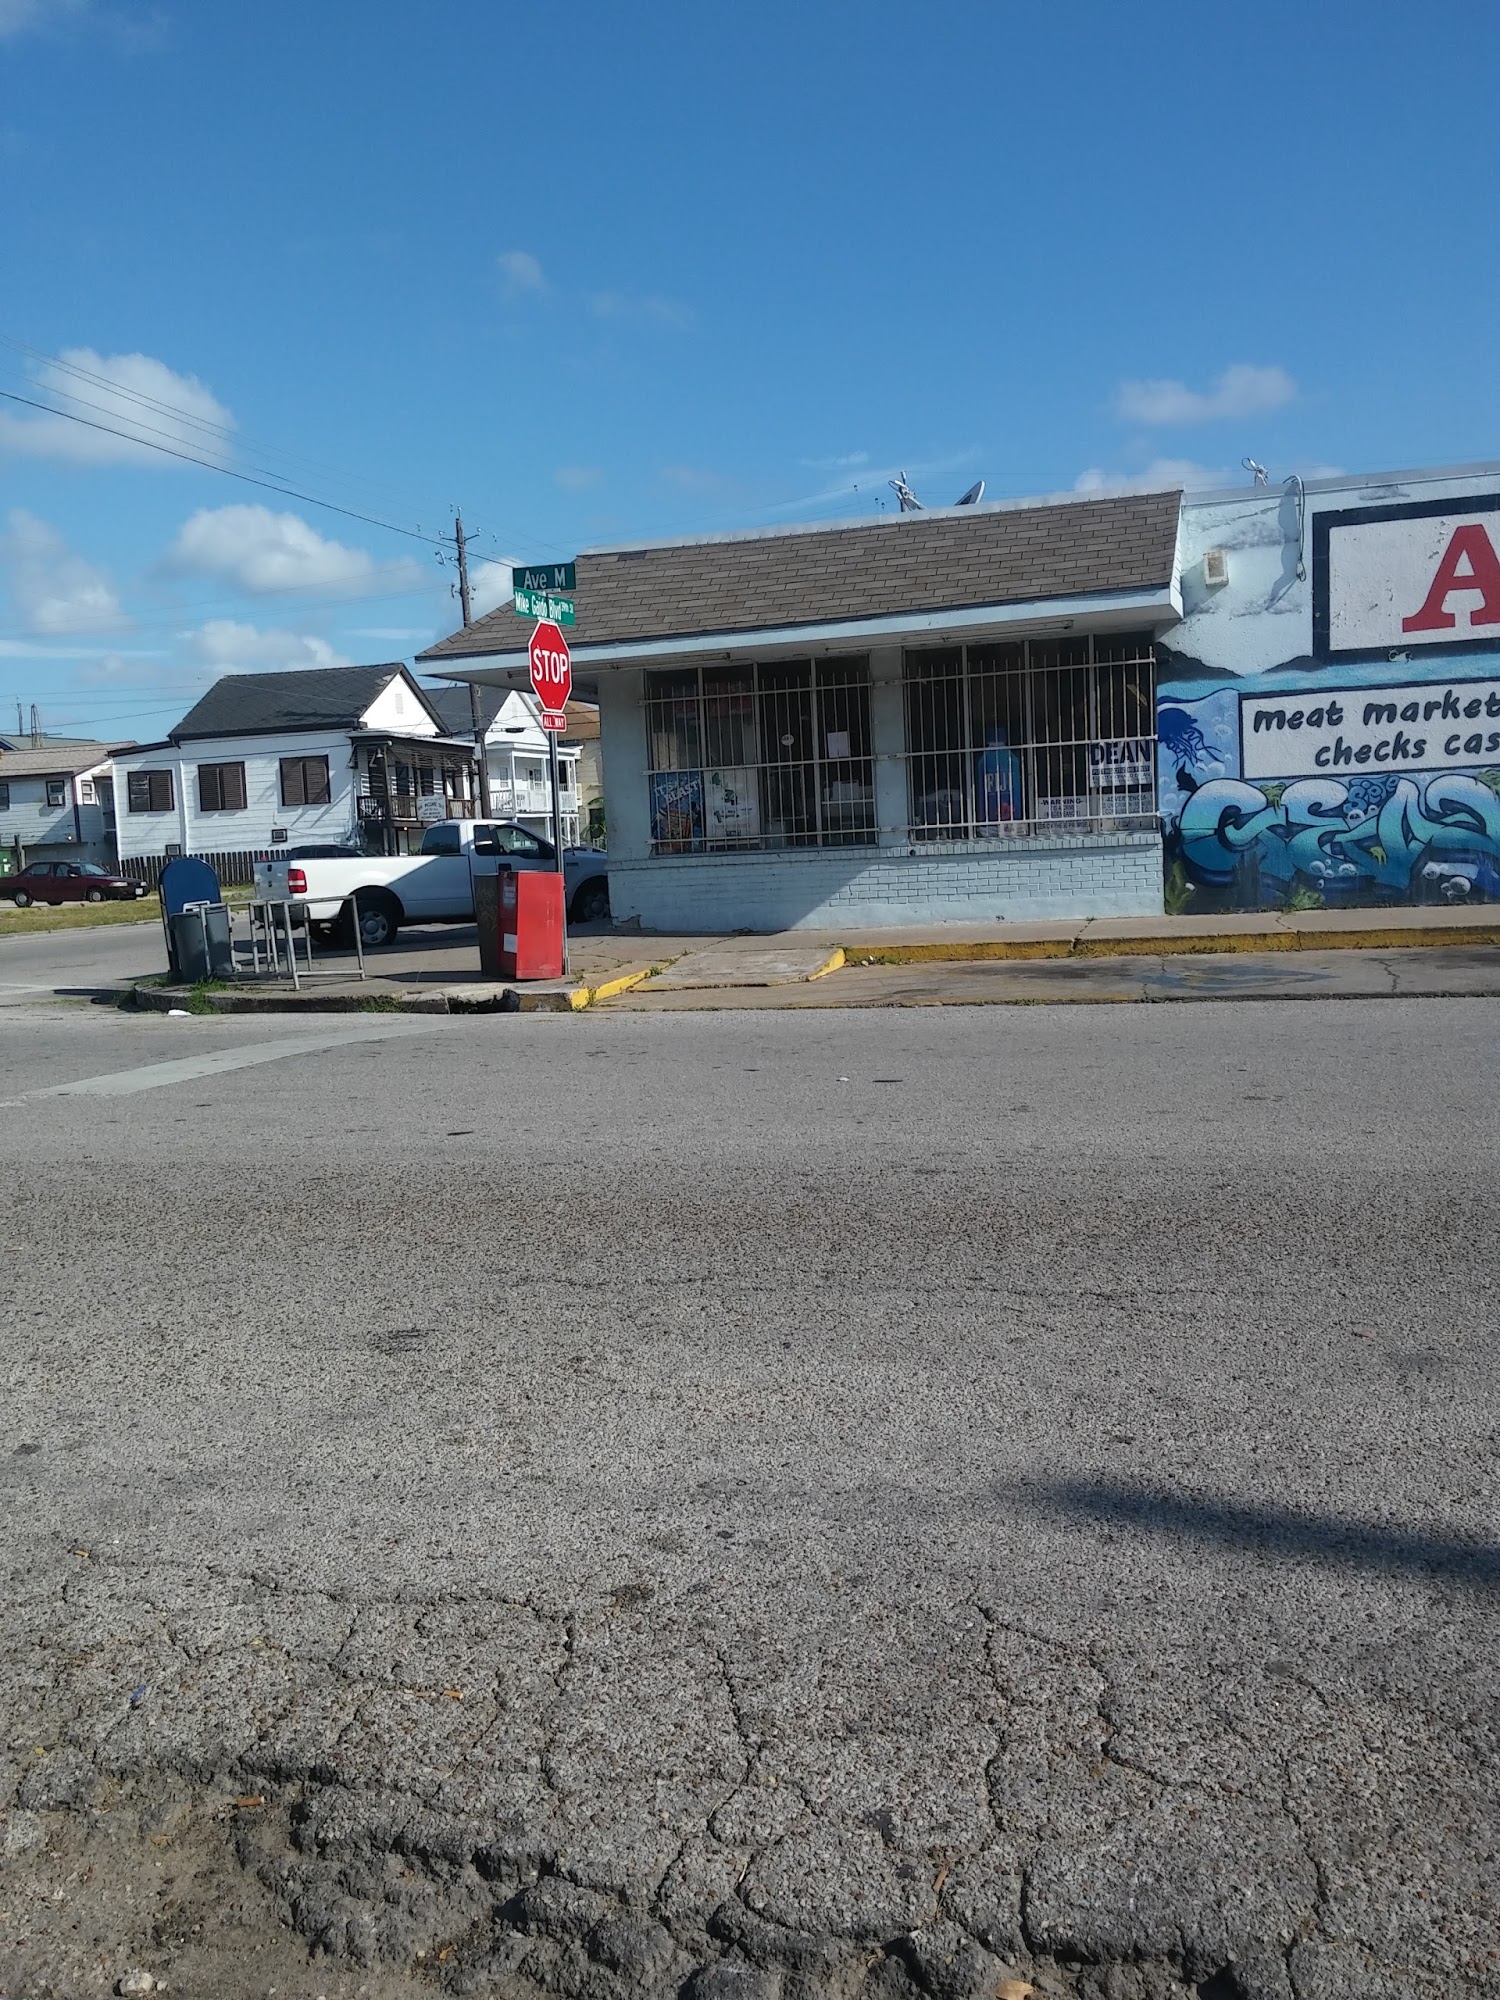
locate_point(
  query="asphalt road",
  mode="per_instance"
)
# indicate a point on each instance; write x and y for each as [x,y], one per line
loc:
[92,957]
[782,1503]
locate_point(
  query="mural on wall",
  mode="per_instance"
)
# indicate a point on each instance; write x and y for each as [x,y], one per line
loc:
[1280,793]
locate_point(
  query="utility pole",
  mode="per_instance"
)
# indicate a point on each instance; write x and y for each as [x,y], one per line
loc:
[466,606]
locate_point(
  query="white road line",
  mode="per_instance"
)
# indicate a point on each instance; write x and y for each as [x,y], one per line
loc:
[125,1082]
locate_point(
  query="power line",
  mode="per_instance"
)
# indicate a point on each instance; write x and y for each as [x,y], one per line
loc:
[161,407]
[217,432]
[190,458]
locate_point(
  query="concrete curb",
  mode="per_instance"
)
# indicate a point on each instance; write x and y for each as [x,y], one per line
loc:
[1381,937]
[476,999]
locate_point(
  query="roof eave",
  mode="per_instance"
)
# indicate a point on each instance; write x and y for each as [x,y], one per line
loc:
[1156,605]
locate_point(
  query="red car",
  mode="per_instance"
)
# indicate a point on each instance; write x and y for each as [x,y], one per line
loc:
[67,882]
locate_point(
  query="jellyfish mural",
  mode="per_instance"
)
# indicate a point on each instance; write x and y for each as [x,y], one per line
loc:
[1184,742]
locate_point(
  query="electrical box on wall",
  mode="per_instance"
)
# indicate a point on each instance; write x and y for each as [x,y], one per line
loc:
[1215,568]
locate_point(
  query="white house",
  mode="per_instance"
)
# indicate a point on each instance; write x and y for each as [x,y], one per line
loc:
[515,750]
[56,804]
[349,755]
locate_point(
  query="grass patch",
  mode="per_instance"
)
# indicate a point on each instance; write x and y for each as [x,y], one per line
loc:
[76,916]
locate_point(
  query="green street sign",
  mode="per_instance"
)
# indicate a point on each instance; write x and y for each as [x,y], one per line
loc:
[542,604]
[550,577]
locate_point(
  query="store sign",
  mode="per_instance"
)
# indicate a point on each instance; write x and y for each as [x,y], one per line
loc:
[1121,764]
[1422,577]
[430,811]
[1424,726]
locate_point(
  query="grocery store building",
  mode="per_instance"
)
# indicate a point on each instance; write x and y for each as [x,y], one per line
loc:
[1276,697]
[944,716]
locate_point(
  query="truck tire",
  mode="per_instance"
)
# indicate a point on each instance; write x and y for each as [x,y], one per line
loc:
[591,904]
[378,915]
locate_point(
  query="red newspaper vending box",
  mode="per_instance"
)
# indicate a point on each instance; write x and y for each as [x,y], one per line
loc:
[531,924]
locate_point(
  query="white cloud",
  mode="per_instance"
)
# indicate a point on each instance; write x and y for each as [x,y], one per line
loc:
[1160,476]
[577,478]
[850,461]
[127,392]
[1241,391]
[520,273]
[262,551]
[490,585]
[55,590]
[696,479]
[233,648]
[647,309]
[16,16]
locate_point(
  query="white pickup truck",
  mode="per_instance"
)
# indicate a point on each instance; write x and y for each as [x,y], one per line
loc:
[434,886]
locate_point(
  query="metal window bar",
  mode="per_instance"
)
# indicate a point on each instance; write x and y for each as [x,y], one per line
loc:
[1032,736]
[770,755]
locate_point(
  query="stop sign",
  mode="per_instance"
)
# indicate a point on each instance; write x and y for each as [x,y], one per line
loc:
[551,667]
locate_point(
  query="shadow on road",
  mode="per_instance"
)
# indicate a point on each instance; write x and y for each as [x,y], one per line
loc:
[1276,1531]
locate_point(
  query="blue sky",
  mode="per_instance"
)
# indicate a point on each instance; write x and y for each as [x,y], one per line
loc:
[599,272]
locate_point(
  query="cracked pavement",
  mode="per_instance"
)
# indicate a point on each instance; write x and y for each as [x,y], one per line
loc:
[758,1506]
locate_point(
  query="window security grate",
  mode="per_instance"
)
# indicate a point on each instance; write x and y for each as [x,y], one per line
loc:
[765,756]
[1031,737]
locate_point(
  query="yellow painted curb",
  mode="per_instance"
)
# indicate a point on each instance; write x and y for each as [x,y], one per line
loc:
[622,983]
[1376,938]
[1173,947]
[957,954]
[832,963]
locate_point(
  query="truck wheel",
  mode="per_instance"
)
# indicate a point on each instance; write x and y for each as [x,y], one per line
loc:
[591,904]
[379,918]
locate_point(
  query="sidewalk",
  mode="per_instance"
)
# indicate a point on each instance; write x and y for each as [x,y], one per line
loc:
[1124,958]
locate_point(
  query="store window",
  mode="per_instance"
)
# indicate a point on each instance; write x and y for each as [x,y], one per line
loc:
[221,788]
[1029,737]
[148,791]
[774,755]
[304,781]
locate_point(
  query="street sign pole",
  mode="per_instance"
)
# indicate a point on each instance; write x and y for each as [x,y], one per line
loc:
[557,836]
[552,682]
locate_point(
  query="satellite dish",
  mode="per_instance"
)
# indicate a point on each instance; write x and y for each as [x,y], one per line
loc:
[974,494]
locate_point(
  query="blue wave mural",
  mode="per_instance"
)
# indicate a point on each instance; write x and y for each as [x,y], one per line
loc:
[1305,842]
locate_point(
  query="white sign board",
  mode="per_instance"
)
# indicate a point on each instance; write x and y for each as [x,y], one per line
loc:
[1121,763]
[1406,579]
[1339,732]
[430,811]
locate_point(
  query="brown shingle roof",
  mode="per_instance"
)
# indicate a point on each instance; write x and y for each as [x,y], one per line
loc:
[60,760]
[874,569]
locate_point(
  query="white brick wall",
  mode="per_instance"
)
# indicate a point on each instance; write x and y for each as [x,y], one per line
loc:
[1010,881]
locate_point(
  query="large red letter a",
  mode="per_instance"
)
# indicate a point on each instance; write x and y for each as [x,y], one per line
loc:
[1483,575]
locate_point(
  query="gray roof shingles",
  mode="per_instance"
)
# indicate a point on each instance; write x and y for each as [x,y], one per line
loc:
[306,698]
[880,568]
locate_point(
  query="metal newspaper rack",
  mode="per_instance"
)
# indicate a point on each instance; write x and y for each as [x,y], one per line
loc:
[274,937]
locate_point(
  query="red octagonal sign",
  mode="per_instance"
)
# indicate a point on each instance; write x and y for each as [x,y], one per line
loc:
[551,666]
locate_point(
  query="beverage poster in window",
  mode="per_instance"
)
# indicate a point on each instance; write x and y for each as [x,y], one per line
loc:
[676,811]
[997,781]
[733,807]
